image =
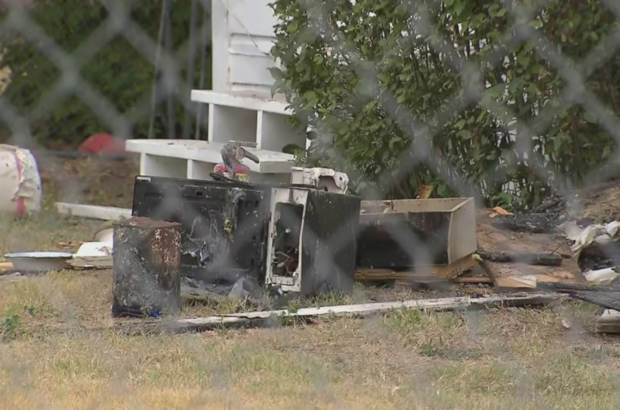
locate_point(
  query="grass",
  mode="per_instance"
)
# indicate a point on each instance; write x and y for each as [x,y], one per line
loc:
[58,351]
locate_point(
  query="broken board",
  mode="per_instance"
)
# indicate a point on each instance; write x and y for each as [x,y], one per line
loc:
[440,271]
[79,262]
[91,262]
[361,310]
[520,275]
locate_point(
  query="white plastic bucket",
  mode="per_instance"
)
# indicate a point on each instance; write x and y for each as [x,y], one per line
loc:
[20,182]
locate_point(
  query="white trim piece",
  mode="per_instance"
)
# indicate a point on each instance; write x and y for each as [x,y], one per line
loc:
[220,40]
[240,319]
[243,35]
[106,213]
[245,102]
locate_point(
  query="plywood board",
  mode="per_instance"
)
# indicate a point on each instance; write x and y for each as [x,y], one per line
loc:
[516,275]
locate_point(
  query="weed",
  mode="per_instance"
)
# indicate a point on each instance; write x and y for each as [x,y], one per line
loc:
[10,327]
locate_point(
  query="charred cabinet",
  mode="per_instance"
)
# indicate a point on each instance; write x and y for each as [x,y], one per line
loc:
[224,226]
[312,240]
[401,234]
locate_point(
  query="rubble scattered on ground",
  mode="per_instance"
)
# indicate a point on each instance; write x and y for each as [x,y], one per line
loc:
[524,251]
[590,221]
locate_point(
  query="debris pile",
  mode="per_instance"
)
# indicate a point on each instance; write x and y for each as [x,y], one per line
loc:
[589,220]
[419,243]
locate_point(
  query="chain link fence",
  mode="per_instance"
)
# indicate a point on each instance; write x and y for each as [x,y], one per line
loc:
[215,366]
[117,66]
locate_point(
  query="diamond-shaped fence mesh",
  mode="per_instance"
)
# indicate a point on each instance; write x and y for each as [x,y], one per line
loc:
[64,80]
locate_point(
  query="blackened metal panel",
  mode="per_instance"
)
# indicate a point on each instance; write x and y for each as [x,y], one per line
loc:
[380,247]
[224,225]
[146,268]
[329,242]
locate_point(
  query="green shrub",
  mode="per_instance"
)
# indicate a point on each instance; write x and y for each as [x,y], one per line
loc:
[370,74]
[118,71]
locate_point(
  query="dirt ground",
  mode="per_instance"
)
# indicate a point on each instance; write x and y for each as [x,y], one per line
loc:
[88,180]
[58,350]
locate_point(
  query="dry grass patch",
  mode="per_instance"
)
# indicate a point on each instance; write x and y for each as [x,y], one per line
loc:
[59,352]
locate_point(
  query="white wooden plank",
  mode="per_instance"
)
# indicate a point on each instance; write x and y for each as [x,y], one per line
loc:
[217,321]
[105,213]
[220,39]
[241,101]
[252,17]
[256,46]
[242,37]
[250,72]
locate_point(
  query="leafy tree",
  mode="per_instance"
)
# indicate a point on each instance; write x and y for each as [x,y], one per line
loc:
[118,71]
[454,83]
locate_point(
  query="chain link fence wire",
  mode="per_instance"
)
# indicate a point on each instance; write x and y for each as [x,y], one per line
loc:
[163,110]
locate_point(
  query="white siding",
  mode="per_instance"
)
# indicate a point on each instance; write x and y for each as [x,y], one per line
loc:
[243,35]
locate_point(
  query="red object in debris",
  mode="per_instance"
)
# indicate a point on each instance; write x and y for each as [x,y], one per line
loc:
[239,169]
[103,143]
[220,169]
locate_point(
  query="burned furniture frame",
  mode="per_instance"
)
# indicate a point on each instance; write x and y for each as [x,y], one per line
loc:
[392,233]
[312,240]
[224,225]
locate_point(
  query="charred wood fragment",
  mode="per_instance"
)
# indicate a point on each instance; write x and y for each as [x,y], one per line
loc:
[607,300]
[533,223]
[543,259]
[564,287]
[146,260]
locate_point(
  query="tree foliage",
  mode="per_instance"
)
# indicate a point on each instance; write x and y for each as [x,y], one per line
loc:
[119,72]
[451,82]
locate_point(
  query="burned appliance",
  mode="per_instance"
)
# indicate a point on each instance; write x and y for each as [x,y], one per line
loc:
[224,225]
[312,240]
[438,231]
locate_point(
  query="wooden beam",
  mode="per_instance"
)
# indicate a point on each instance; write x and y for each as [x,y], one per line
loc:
[254,318]
[543,259]
[106,213]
